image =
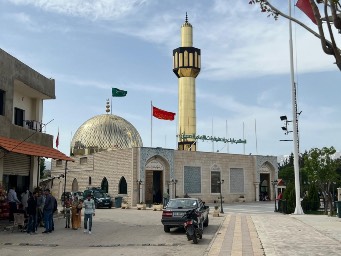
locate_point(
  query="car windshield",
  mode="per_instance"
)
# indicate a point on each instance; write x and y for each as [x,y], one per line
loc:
[182,203]
[99,194]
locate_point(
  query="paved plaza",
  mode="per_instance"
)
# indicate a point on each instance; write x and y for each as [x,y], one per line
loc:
[243,229]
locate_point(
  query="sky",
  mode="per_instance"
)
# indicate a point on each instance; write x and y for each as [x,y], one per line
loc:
[243,88]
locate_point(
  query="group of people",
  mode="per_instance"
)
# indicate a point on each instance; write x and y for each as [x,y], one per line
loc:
[38,209]
[73,213]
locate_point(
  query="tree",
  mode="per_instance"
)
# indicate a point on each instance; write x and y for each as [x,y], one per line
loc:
[321,169]
[329,6]
[42,167]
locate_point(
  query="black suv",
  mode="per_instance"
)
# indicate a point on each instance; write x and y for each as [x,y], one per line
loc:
[101,198]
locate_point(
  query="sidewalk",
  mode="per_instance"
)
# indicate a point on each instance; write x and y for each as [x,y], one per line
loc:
[277,234]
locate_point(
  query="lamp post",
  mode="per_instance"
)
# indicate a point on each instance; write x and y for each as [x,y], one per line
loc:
[139,182]
[174,181]
[221,197]
[274,184]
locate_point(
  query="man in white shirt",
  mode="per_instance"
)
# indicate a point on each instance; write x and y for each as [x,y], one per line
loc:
[12,201]
[89,206]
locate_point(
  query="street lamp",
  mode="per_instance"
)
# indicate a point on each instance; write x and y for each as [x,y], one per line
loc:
[221,197]
[139,182]
[174,181]
[274,184]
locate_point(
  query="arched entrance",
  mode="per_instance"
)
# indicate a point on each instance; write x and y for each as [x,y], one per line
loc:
[105,185]
[74,185]
[154,182]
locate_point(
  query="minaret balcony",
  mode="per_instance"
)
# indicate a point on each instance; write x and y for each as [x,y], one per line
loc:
[186,61]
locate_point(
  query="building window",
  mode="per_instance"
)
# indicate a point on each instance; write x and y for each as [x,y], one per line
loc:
[89,180]
[237,181]
[19,116]
[83,160]
[192,179]
[122,187]
[215,186]
[59,162]
[2,102]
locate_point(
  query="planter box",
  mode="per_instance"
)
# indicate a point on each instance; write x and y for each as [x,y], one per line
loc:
[141,206]
[124,206]
[157,207]
[216,213]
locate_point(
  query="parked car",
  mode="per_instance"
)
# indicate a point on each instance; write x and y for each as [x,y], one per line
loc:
[78,194]
[172,215]
[101,198]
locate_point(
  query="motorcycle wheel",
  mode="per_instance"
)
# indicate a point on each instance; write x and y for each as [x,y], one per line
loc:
[189,237]
[195,239]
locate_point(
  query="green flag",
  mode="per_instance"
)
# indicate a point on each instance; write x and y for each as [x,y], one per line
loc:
[118,93]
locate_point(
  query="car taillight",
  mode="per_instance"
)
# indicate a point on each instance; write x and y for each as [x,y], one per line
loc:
[167,214]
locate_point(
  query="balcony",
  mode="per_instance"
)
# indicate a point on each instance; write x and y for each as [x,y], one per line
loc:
[33,125]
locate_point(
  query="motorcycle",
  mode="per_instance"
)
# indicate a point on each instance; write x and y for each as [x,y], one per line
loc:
[193,228]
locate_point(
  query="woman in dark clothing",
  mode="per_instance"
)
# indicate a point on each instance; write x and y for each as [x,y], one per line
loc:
[32,213]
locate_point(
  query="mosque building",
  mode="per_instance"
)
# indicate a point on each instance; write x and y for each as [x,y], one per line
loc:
[108,153]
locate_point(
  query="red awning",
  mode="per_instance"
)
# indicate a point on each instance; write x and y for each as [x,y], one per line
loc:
[31,149]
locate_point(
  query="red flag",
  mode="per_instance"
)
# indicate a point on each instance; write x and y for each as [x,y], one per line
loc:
[162,114]
[305,6]
[57,139]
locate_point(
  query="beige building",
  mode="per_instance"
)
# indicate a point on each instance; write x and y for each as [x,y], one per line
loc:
[22,134]
[145,174]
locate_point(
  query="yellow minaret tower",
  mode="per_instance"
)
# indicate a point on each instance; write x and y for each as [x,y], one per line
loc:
[186,66]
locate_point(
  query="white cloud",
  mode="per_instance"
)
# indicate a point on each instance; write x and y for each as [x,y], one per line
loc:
[99,9]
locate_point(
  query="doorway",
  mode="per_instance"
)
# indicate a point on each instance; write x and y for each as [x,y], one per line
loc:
[264,188]
[153,187]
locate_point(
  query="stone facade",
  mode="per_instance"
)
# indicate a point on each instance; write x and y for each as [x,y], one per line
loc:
[173,171]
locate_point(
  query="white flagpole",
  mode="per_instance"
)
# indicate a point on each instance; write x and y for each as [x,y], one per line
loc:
[256,137]
[151,124]
[243,139]
[212,137]
[298,208]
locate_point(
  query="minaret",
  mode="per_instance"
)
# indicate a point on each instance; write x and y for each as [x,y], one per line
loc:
[186,66]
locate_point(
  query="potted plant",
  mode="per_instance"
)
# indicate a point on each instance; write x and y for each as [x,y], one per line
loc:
[241,198]
[216,211]
[141,206]
[125,205]
[157,207]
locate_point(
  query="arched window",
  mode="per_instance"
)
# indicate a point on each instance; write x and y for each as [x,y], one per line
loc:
[74,185]
[105,185]
[122,186]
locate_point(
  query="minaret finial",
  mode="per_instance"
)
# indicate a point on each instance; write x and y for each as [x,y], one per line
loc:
[186,20]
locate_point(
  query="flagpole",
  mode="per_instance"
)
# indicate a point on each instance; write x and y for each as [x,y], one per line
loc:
[151,124]
[298,208]
[243,139]
[227,146]
[256,137]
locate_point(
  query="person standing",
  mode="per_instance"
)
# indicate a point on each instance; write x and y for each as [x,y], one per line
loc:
[24,198]
[76,213]
[48,211]
[89,211]
[40,208]
[12,201]
[67,204]
[32,213]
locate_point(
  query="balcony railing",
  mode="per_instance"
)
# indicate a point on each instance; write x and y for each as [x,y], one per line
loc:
[33,125]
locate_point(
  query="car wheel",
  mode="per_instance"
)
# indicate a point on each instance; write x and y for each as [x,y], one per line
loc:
[109,206]
[206,222]
[166,229]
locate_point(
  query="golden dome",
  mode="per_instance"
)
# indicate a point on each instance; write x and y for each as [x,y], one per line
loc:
[104,132]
